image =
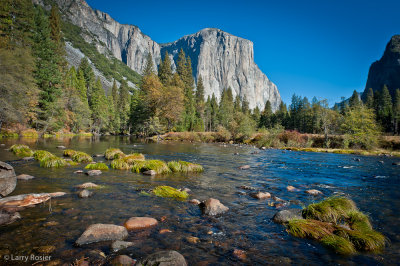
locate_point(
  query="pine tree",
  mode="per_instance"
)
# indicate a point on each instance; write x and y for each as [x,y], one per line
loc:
[149,68]
[226,108]
[207,114]
[256,115]
[282,114]
[123,105]
[47,74]
[165,71]
[354,100]
[82,86]
[385,111]
[237,107]
[369,101]
[99,107]
[56,37]
[266,116]
[199,105]
[245,106]
[114,98]
[214,113]
[396,112]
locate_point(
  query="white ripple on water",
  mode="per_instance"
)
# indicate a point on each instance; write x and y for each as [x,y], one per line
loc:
[381,176]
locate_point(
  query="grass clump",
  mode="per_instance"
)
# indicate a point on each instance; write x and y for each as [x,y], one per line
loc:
[127,161]
[41,155]
[170,192]
[97,166]
[69,152]
[158,166]
[120,164]
[80,157]
[307,228]
[53,162]
[185,167]
[112,154]
[133,157]
[330,210]
[21,150]
[338,224]
[339,244]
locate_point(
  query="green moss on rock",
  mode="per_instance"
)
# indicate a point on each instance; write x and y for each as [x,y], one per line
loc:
[112,154]
[21,150]
[158,166]
[97,166]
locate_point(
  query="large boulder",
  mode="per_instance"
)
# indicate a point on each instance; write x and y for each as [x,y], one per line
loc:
[8,180]
[163,258]
[213,207]
[285,215]
[102,232]
[138,223]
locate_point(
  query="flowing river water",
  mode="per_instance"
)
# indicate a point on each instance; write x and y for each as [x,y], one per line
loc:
[372,182]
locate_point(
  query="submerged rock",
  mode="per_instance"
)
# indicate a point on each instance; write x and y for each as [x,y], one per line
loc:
[123,260]
[213,207]
[244,167]
[102,232]
[25,200]
[61,147]
[240,254]
[260,195]
[163,258]
[192,239]
[119,245]
[291,188]
[138,223]
[8,218]
[8,180]
[285,215]
[87,185]
[194,201]
[85,193]
[150,172]
[94,172]
[29,158]
[78,172]
[314,192]
[25,177]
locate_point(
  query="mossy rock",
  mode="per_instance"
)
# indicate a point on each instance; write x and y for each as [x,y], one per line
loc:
[53,162]
[170,192]
[133,157]
[185,167]
[81,157]
[21,150]
[113,153]
[97,166]
[41,155]
[69,152]
[158,166]
[127,162]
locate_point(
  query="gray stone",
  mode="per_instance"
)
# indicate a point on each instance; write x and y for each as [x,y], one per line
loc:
[119,245]
[94,172]
[163,258]
[8,180]
[285,215]
[25,177]
[85,193]
[244,167]
[8,218]
[213,207]
[102,232]
[61,147]
[87,185]
[28,159]
[150,172]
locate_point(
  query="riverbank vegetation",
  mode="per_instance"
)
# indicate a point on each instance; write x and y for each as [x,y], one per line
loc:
[43,96]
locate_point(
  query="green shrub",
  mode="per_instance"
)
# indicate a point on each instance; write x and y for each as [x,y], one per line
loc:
[170,192]
[97,166]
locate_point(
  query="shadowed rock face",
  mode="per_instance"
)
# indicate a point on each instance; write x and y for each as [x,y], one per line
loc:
[8,180]
[386,71]
[221,59]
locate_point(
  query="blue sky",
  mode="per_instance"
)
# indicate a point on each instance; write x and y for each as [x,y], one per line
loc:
[311,48]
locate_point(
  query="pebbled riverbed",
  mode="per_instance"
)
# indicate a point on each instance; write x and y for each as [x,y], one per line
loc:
[373,183]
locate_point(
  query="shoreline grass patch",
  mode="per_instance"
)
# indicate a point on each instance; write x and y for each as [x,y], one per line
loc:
[160,167]
[21,150]
[97,166]
[170,192]
[113,153]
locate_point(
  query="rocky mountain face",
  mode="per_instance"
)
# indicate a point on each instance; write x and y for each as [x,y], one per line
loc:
[221,59]
[386,71]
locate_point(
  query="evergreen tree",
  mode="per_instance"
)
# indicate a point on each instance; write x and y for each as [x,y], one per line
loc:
[82,86]
[214,113]
[282,114]
[149,68]
[226,108]
[237,107]
[385,111]
[369,101]
[245,106]
[56,37]
[354,100]
[99,107]
[207,114]
[266,116]
[199,105]
[165,71]
[114,98]
[47,74]
[123,105]
[256,115]
[88,75]
[396,112]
